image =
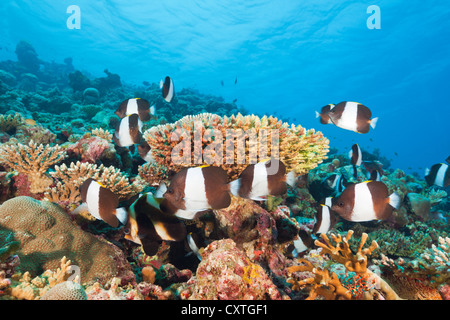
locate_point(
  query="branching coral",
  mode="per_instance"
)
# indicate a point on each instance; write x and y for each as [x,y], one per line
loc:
[330,287]
[24,286]
[104,134]
[33,160]
[10,122]
[209,138]
[70,179]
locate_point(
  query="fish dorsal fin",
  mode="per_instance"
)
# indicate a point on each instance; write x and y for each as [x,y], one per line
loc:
[204,166]
[101,184]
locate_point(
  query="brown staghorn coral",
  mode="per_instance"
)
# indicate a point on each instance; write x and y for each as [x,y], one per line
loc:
[330,287]
[69,179]
[32,160]
[211,139]
[323,285]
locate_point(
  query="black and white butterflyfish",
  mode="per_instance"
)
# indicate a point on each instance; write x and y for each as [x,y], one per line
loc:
[438,175]
[366,201]
[101,203]
[349,115]
[355,156]
[167,88]
[336,183]
[138,106]
[149,226]
[302,243]
[257,181]
[197,189]
[129,131]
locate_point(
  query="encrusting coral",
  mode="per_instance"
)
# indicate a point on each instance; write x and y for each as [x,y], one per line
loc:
[209,138]
[32,160]
[225,273]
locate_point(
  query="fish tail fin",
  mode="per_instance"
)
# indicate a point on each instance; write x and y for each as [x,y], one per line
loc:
[373,122]
[427,171]
[122,215]
[317,114]
[395,200]
[234,187]
[291,178]
[161,84]
[152,110]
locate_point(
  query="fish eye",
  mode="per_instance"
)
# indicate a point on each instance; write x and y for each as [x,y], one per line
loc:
[126,230]
[340,204]
[170,190]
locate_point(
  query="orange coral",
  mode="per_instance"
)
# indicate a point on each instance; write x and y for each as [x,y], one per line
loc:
[331,287]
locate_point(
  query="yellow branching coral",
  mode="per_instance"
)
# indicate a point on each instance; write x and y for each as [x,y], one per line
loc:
[71,177]
[234,142]
[9,122]
[104,134]
[330,287]
[28,288]
[343,254]
[323,285]
[32,160]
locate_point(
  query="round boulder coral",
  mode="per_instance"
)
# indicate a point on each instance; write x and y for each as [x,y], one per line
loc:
[66,290]
[47,234]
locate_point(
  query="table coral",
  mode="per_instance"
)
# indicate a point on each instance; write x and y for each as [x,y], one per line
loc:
[209,137]
[33,160]
[225,273]
[47,234]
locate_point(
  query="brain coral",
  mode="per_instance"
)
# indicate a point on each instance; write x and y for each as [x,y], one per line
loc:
[47,235]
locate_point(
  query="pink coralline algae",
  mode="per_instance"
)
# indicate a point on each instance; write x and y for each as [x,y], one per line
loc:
[91,149]
[226,273]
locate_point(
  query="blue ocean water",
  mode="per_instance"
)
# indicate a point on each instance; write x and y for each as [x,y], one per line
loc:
[290,58]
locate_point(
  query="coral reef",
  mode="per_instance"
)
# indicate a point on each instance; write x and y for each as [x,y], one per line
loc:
[56,129]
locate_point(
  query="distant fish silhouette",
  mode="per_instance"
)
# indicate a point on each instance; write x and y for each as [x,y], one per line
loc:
[221,82]
[167,88]
[235,80]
